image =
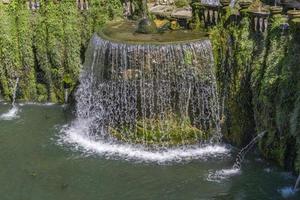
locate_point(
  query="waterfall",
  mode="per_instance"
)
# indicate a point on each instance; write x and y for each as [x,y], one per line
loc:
[129,93]
[15,93]
[12,113]
[126,87]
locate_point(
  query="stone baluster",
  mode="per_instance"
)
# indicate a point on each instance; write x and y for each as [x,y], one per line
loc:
[216,16]
[211,15]
[80,4]
[86,4]
[255,19]
[205,11]
[207,14]
[261,24]
[83,4]
[266,22]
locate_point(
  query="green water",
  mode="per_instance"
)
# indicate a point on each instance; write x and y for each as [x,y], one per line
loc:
[34,167]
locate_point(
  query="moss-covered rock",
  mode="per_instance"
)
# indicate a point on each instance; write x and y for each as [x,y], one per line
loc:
[146,26]
[168,132]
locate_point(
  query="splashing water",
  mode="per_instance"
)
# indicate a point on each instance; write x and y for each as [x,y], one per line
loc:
[77,135]
[129,87]
[220,175]
[241,155]
[223,174]
[287,192]
[13,112]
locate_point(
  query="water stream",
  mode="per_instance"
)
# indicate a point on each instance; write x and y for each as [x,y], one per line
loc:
[222,174]
[297,184]
[13,112]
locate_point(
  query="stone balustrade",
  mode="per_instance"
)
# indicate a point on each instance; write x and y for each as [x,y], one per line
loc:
[35,4]
[259,21]
[210,14]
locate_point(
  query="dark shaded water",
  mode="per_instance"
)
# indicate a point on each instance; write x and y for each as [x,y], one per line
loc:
[34,166]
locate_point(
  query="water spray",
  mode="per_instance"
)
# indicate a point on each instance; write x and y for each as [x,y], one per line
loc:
[241,155]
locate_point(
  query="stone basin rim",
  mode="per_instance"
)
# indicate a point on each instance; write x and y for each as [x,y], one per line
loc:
[171,37]
[102,35]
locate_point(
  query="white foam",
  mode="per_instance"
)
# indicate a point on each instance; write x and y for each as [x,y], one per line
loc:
[77,136]
[11,114]
[223,174]
[287,192]
[37,104]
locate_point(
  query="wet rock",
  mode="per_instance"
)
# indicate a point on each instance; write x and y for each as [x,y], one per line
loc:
[146,26]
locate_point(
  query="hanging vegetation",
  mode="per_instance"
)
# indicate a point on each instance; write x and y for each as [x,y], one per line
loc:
[45,47]
[258,77]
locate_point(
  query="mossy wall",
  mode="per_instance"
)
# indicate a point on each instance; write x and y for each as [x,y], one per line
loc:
[45,48]
[259,81]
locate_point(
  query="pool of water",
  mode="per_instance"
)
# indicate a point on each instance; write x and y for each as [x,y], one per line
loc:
[124,31]
[36,165]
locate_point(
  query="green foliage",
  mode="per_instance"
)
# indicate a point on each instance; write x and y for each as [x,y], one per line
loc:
[232,47]
[45,48]
[258,78]
[181,3]
[171,131]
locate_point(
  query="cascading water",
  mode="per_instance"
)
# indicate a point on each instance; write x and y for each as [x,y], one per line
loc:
[138,93]
[12,113]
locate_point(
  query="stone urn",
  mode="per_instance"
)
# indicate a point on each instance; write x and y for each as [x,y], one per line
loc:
[276,10]
[294,14]
[225,3]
